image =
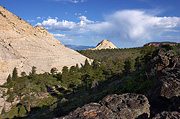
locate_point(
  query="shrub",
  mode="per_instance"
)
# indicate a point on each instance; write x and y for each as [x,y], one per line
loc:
[22,111]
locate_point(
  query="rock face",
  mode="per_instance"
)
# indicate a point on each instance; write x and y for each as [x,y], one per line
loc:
[165,96]
[105,44]
[168,115]
[126,106]
[24,46]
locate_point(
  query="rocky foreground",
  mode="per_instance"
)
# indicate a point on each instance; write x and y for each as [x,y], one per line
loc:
[161,102]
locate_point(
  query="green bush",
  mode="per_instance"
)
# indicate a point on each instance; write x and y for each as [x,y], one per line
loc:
[22,111]
[11,114]
[64,100]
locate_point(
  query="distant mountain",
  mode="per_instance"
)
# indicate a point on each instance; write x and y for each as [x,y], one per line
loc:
[23,46]
[104,44]
[79,47]
[159,44]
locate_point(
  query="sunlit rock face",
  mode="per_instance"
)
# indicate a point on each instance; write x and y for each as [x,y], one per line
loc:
[105,44]
[24,46]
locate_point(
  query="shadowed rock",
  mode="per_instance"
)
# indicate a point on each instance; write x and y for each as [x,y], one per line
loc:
[165,96]
[126,106]
[168,115]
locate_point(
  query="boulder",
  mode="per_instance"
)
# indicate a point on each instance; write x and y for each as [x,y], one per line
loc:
[125,106]
[168,115]
[165,95]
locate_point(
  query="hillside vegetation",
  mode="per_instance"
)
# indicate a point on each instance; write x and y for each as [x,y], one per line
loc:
[56,93]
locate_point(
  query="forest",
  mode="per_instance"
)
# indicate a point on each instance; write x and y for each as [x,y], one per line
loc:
[56,93]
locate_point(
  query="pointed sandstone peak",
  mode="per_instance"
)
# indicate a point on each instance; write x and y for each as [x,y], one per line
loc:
[105,44]
[23,46]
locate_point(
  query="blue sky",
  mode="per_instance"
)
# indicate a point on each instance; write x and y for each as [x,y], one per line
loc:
[126,23]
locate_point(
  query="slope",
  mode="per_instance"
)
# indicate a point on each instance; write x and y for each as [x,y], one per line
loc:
[24,46]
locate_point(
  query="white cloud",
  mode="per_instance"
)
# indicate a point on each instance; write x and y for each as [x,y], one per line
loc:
[38,17]
[54,25]
[72,1]
[31,20]
[135,26]
[58,35]
[84,18]
[66,26]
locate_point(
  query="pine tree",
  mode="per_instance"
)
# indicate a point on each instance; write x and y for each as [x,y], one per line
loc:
[65,75]
[54,71]
[129,66]
[138,62]
[95,64]
[86,66]
[74,78]
[23,74]
[33,71]
[77,67]
[14,74]
[22,111]
[9,79]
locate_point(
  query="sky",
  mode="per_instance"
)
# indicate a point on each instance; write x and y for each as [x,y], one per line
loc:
[126,23]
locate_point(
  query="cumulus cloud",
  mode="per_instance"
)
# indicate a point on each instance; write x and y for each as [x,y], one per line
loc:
[84,18]
[138,26]
[65,26]
[135,25]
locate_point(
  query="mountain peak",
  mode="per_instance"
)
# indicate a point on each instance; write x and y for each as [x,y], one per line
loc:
[105,44]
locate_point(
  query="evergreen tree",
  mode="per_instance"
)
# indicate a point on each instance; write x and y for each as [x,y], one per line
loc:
[138,62]
[14,74]
[129,66]
[77,67]
[74,78]
[54,71]
[9,79]
[65,75]
[22,111]
[95,64]
[33,71]
[118,66]
[11,96]
[23,74]
[147,51]
[87,80]
[86,67]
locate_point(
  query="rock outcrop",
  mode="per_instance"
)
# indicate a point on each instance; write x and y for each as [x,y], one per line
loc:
[105,44]
[24,46]
[126,106]
[168,115]
[165,96]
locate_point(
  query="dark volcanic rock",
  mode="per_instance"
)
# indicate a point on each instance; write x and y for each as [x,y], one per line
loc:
[168,115]
[165,96]
[126,106]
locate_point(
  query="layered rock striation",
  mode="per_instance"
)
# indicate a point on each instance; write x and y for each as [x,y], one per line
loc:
[24,46]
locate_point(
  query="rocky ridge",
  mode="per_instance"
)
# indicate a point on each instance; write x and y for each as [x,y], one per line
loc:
[24,46]
[165,95]
[105,44]
[161,102]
